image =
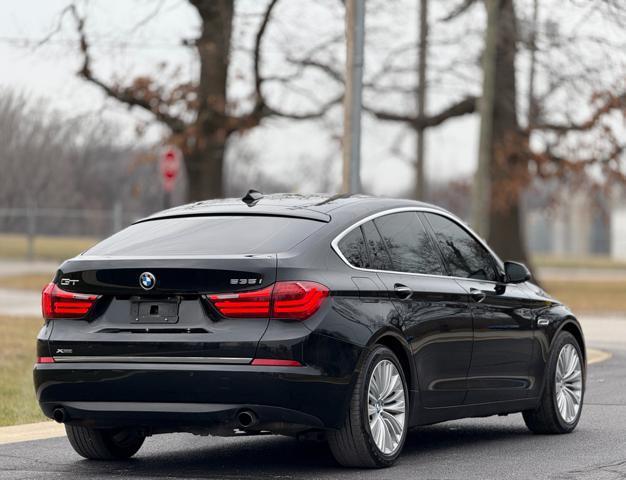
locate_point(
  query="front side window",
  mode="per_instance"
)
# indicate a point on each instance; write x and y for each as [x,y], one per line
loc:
[409,245]
[465,257]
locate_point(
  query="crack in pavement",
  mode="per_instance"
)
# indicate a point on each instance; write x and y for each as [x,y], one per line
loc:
[613,471]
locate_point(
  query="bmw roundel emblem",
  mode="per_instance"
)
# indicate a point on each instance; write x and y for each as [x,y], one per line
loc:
[147,281]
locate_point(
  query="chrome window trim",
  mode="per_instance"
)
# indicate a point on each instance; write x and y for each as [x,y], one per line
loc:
[138,359]
[335,243]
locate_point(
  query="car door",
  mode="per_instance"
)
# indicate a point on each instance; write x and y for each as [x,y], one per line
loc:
[503,334]
[431,310]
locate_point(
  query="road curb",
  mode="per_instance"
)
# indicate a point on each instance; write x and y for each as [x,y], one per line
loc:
[31,431]
[597,356]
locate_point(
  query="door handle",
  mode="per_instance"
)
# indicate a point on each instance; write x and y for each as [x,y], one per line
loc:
[402,291]
[477,295]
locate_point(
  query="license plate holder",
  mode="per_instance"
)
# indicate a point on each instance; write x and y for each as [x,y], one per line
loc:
[154,311]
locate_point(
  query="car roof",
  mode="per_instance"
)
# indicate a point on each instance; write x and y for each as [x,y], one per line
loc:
[320,207]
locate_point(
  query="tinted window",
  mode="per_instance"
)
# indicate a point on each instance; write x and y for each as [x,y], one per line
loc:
[353,248]
[408,244]
[379,259]
[464,256]
[208,235]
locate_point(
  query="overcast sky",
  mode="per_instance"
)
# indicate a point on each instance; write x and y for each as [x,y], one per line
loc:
[120,49]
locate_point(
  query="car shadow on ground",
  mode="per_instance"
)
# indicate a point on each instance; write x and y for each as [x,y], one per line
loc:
[454,435]
[271,456]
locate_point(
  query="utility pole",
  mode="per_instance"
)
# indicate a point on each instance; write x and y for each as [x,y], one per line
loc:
[355,37]
[532,105]
[422,51]
[481,189]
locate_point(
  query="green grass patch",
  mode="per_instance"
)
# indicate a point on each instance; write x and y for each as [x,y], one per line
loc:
[17,357]
[46,247]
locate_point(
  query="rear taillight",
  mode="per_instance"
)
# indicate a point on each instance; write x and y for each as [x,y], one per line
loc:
[245,304]
[57,303]
[286,300]
[297,300]
[45,360]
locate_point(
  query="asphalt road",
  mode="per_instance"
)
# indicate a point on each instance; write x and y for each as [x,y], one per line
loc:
[489,448]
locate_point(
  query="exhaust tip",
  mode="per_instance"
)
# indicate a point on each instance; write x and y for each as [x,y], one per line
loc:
[59,416]
[247,419]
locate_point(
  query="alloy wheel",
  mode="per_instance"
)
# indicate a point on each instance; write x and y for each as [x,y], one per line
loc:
[568,383]
[386,407]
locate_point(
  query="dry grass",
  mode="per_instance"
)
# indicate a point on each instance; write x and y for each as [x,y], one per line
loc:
[17,356]
[29,281]
[589,297]
[598,261]
[45,247]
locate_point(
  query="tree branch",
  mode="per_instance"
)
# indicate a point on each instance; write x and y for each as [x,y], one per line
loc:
[261,108]
[459,10]
[611,102]
[122,95]
[463,107]
[323,110]
[258,79]
[327,69]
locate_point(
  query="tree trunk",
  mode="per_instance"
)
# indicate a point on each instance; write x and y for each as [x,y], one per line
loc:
[205,169]
[481,188]
[509,165]
[507,237]
[206,144]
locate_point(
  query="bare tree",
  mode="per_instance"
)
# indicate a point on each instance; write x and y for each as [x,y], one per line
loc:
[395,82]
[507,162]
[198,113]
[52,160]
[568,78]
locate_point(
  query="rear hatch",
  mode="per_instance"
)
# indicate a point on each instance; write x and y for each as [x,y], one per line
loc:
[152,282]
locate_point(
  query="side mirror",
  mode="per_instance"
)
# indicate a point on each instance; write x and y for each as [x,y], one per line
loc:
[516,272]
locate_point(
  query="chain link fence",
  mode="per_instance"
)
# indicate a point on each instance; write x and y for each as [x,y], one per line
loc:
[33,222]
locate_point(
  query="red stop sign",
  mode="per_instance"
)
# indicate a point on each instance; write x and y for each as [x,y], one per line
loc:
[169,165]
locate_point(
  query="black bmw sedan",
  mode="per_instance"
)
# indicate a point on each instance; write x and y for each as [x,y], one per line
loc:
[350,318]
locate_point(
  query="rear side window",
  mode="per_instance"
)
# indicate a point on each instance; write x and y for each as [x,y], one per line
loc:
[353,248]
[208,235]
[465,257]
[379,258]
[408,244]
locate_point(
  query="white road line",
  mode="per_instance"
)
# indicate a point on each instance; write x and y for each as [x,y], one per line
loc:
[597,356]
[31,431]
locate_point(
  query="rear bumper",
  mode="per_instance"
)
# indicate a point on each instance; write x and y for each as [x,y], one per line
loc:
[184,397]
[217,419]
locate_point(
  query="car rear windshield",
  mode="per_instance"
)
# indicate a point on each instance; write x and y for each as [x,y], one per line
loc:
[207,235]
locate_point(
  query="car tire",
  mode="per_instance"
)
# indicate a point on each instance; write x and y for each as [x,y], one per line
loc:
[100,444]
[548,417]
[354,444]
